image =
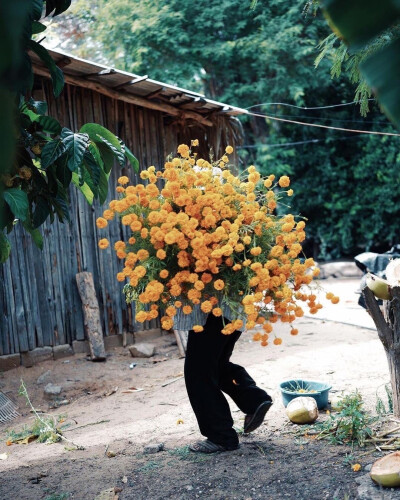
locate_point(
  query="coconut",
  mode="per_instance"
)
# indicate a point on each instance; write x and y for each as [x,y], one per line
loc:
[386,470]
[393,272]
[378,286]
[302,410]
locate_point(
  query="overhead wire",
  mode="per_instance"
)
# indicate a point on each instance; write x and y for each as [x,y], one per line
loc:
[318,125]
[306,107]
[297,143]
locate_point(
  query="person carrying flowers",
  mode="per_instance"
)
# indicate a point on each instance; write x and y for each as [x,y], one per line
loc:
[208,254]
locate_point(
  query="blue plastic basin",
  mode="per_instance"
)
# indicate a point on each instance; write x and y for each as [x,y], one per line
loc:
[321,396]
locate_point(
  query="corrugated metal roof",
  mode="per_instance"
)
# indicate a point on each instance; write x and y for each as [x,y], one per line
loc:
[140,86]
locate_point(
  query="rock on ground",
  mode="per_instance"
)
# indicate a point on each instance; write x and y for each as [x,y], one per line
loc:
[141,350]
[51,391]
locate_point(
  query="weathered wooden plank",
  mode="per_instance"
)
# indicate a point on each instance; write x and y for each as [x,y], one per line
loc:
[32,254]
[17,278]
[91,314]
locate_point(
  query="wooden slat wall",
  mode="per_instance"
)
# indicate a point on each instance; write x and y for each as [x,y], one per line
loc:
[39,301]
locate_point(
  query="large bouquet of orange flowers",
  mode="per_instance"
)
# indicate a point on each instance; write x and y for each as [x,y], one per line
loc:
[205,238]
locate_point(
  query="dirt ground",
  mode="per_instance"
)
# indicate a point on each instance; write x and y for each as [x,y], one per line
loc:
[272,463]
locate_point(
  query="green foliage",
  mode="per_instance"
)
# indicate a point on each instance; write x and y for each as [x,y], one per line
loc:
[40,159]
[383,408]
[246,53]
[351,425]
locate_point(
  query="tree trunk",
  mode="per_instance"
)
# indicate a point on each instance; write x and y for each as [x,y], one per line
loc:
[91,315]
[388,327]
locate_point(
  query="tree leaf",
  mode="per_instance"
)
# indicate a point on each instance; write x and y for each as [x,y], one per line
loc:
[49,124]
[39,106]
[37,9]
[35,233]
[132,159]
[76,145]
[51,151]
[118,154]
[358,21]
[107,143]
[38,27]
[58,6]
[92,166]
[103,186]
[17,200]
[382,73]
[56,74]
[84,189]
[5,247]
[96,132]
[41,212]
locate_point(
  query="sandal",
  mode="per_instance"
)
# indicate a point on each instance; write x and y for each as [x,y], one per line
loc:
[252,422]
[208,446]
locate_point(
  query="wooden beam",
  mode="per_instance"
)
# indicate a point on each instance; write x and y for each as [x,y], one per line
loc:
[131,82]
[126,97]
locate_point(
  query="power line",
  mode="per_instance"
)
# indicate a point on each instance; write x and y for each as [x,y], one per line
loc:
[305,107]
[318,125]
[287,144]
[325,118]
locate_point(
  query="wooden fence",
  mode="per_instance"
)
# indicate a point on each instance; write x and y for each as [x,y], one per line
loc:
[39,301]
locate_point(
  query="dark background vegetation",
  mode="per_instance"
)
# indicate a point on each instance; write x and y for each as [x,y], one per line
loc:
[347,184]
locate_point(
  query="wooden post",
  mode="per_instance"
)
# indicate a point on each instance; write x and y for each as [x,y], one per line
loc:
[181,339]
[388,327]
[91,315]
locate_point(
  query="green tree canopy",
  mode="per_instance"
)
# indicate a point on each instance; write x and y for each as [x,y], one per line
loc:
[346,184]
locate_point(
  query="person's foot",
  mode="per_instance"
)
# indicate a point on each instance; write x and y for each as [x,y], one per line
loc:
[252,422]
[208,446]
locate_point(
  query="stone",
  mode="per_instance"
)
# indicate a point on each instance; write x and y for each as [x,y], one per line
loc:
[51,391]
[38,355]
[43,377]
[153,448]
[112,341]
[9,362]
[80,346]
[141,350]
[62,351]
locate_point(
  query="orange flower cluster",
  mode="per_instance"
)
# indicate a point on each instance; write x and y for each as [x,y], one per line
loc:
[204,236]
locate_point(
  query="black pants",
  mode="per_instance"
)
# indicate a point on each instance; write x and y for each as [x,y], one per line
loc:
[208,372]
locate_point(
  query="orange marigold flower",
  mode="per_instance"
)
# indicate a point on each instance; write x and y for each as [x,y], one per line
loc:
[108,214]
[101,222]
[198,328]
[183,150]
[219,284]
[217,311]
[206,306]
[104,243]
[120,277]
[335,300]
[294,331]
[229,150]
[163,274]
[290,192]
[161,254]
[187,309]
[256,251]
[356,467]
[141,316]
[284,181]
[277,341]
[123,180]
